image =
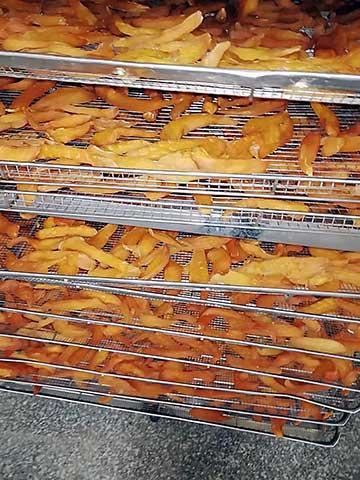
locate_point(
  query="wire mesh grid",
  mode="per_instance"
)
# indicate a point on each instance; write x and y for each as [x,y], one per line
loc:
[239,404]
[216,293]
[310,86]
[183,319]
[312,434]
[110,193]
[223,392]
[215,397]
[226,359]
[331,395]
[283,173]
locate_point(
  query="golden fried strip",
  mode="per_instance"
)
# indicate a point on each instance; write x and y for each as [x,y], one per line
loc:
[8,228]
[78,244]
[175,129]
[32,93]
[308,152]
[54,232]
[64,96]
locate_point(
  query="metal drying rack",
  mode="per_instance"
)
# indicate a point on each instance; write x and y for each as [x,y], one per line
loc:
[311,434]
[327,224]
[338,229]
[218,296]
[302,86]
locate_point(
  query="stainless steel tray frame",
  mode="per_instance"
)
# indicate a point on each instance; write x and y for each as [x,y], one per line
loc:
[328,225]
[303,86]
[324,230]
[312,434]
[117,320]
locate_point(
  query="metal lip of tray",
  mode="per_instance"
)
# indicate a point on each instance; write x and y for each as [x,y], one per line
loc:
[324,230]
[312,434]
[327,87]
[93,387]
[49,337]
[269,185]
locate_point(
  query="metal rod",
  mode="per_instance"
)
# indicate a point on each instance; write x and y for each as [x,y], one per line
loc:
[165,331]
[81,281]
[176,173]
[334,423]
[184,361]
[189,385]
[330,443]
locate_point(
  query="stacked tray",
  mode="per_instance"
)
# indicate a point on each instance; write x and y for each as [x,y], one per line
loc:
[78,190]
[275,356]
[291,85]
[227,386]
[318,64]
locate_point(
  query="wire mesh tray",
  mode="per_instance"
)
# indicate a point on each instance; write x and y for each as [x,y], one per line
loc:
[303,86]
[326,230]
[179,330]
[209,397]
[202,389]
[47,177]
[248,406]
[300,378]
[283,178]
[44,337]
[182,306]
[224,385]
[329,222]
[312,434]
[185,304]
[218,293]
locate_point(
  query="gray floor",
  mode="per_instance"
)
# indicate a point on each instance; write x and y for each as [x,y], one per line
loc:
[42,439]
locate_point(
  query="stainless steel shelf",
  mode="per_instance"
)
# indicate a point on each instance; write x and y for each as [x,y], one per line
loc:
[243,404]
[283,177]
[183,304]
[312,434]
[293,375]
[56,189]
[218,335]
[331,397]
[326,230]
[217,294]
[302,86]
[45,338]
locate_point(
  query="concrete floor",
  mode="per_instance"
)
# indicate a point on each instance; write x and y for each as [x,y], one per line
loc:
[48,440]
